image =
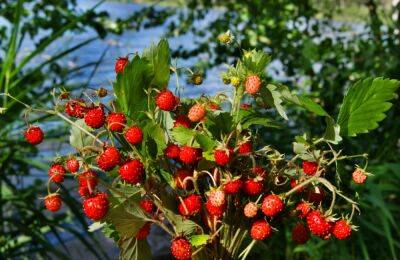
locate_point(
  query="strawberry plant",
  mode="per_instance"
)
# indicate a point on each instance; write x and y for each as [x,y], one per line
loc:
[200,168]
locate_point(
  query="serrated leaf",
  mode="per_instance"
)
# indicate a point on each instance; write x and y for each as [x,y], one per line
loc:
[182,225]
[124,193]
[159,58]
[199,240]
[256,61]
[126,224]
[182,135]
[133,249]
[79,139]
[219,124]
[332,133]
[273,97]
[365,104]
[205,142]
[167,177]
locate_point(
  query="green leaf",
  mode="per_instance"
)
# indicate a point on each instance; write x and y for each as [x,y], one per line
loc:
[219,124]
[205,142]
[133,249]
[183,135]
[159,58]
[332,133]
[311,106]
[182,225]
[273,97]
[365,104]
[124,193]
[79,139]
[256,61]
[199,240]
[126,224]
[167,177]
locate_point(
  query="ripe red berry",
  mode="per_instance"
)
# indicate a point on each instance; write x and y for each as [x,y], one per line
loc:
[88,180]
[179,179]
[181,249]
[253,187]
[34,135]
[182,120]
[315,195]
[109,158]
[260,229]
[213,106]
[53,202]
[72,165]
[341,229]
[197,113]
[75,108]
[132,171]
[134,135]
[189,155]
[272,205]
[233,187]
[317,224]
[303,208]
[116,122]
[300,234]
[166,101]
[147,205]
[172,151]
[215,211]
[359,176]
[217,197]
[252,84]
[120,64]
[96,207]
[144,231]
[190,206]
[56,173]
[95,117]
[309,168]
[84,191]
[222,156]
[250,210]
[245,147]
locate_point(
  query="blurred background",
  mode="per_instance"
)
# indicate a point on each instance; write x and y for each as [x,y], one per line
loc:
[319,47]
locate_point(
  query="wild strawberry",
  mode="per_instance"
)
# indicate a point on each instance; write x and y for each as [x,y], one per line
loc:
[182,120]
[215,211]
[197,113]
[272,205]
[109,158]
[95,117]
[259,171]
[252,84]
[84,191]
[318,224]
[56,173]
[172,151]
[72,165]
[245,147]
[253,187]
[233,187]
[75,108]
[303,208]
[166,101]
[131,171]
[120,64]
[217,197]
[294,183]
[341,229]
[250,210]
[190,206]
[359,176]
[181,249]
[222,156]
[315,195]
[309,168]
[144,231]
[53,202]
[34,135]
[147,205]
[213,106]
[96,207]
[189,155]
[260,229]
[88,180]
[134,135]
[300,234]
[116,121]
[179,179]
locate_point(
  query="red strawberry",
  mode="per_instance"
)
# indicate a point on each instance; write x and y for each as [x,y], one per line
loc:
[222,156]
[166,101]
[95,117]
[134,135]
[88,180]
[310,168]
[215,211]
[250,210]
[315,195]
[217,197]
[189,155]
[96,207]
[131,171]
[197,113]
[259,171]
[72,165]
[359,176]
[260,229]
[179,179]
[190,206]
[253,187]
[56,173]
[53,202]
[182,120]
[272,205]
[294,183]
[245,147]
[144,231]
[303,208]
[341,229]
[300,234]
[172,151]
[181,249]
[233,187]
[120,64]
[116,121]
[34,135]
[109,158]
[75,108]
[84,192]
[318,224]
[213,106]
[147,205]
[252,84]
